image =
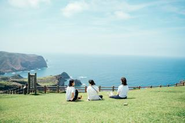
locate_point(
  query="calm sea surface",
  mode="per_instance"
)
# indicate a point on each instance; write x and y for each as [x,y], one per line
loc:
[107,70]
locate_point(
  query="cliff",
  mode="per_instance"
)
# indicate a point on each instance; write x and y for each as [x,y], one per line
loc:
[10,62]
[62,78]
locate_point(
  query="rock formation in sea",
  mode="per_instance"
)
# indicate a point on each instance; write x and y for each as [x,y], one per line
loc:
[63,77]
[78,82]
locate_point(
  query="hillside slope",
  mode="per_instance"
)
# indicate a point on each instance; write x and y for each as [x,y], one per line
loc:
[10,62]
[156,105]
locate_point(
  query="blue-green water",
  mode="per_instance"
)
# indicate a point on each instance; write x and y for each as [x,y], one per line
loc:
[107,70]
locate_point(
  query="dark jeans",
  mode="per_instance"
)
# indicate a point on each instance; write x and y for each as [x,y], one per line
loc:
[118,97]
[25,91]
[101,96]
[76,96]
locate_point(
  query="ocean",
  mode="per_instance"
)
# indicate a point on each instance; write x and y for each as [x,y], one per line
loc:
[107,70]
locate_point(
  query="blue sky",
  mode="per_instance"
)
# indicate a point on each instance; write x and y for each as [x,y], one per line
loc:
[113,27]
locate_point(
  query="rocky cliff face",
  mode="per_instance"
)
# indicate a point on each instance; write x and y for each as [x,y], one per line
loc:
[78,82]
[63,77]
[10,62]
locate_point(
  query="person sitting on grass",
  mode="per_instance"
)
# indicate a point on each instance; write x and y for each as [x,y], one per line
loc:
[122,90]
[25,89]
[92,91]
[71,93]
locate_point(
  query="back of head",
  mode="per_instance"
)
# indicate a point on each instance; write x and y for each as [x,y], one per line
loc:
[91,82]
[124,81]
[71,81]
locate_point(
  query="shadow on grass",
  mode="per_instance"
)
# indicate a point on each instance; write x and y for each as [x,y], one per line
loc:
[169,91]
[79,101]
[131,98]
[34,94]
[87,100]
[95,100]
[125,99]
[75,101]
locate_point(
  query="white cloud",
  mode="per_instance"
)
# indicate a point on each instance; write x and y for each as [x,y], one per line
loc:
[123,9]
[174,9]
[120,9]
[73,8]
[27,3]
[130,7]
[122,15]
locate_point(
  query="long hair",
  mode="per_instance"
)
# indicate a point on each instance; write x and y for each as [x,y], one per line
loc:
[71,81]
[91,82]
[124,81]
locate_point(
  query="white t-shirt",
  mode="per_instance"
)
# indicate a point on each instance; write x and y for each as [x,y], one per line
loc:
[69,91]
[123,90]
[92,94]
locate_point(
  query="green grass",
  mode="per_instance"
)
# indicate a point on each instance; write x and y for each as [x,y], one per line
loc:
[48,81]
[166,105]
[8,83]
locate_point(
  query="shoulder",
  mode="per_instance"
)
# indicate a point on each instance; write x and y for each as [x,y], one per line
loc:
[95,86]
[120,86]
[126,87]
[89,87]
[70,88]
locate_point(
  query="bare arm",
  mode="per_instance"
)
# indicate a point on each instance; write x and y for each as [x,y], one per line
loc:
[118,91]
[72,96]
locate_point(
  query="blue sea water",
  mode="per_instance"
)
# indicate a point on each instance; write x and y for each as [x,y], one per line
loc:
[107,70]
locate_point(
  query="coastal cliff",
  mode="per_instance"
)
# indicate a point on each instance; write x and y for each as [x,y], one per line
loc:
[11,62]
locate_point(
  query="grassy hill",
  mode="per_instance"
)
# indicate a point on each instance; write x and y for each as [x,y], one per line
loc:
[166,105]
[15,83]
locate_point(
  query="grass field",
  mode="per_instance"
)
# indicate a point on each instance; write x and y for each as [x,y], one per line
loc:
[166,105]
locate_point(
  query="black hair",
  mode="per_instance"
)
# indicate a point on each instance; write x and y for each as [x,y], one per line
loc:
[124,81]
[91,82]
[71,81]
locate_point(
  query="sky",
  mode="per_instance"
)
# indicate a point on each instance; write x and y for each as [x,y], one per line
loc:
[98,27]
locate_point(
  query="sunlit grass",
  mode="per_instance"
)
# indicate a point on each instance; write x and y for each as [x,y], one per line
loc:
[147,105]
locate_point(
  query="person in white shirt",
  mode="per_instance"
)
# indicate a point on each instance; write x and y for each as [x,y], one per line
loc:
[25,89]
[92,91]
[122,90]
[71,93]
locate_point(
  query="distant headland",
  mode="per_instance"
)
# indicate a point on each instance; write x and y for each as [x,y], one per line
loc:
[12,62]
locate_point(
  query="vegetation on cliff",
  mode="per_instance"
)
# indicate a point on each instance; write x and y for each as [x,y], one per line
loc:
[11,62]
